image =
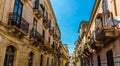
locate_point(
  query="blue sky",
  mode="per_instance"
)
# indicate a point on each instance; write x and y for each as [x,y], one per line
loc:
[69,13]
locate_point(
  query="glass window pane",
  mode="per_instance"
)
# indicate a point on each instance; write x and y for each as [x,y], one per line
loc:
[30,60]
[20,5]
[105,5]
[16,1]
[19,12]
[18,8]
[9,57]
[15,9]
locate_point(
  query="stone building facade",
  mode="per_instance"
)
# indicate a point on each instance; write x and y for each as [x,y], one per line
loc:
[29,33]
[101,47]
[64,55]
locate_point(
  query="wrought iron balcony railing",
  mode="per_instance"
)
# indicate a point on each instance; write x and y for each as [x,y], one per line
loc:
[18,23]
[36,36]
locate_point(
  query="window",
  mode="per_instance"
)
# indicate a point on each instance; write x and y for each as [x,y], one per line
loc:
[41,60]
[105,5]
[46,14]
[49,40]
[30,59]
[43,35]
[9,56]
[18,6]
[110,60]
[99,21]
[36,3]
[108,21]
[53,46]
[98,24]
[49,23]
[34,27]
[34,24]
[52,62]
[48,61]
[99,61]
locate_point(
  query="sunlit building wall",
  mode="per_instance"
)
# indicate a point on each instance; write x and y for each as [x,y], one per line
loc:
[29,33]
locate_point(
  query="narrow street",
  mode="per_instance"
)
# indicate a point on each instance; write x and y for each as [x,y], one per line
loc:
[59,33]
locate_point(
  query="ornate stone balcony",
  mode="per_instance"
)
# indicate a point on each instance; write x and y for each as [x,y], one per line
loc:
[45,22]
[55,37]
[53,50]
[105,30]
[38,9]
[105,34]
[87,52]
[94,45]
[17,25]
[51,31]
[47,45]
[35,38]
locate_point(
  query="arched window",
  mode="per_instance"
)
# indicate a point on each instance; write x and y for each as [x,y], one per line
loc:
[9,56]
[30,59]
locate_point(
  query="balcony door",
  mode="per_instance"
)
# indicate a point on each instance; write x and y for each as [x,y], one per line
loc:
[30,59]
[110,59]
[48,61]
[41,60]
[18,6]
[99,60]
[34,27]
[9,56]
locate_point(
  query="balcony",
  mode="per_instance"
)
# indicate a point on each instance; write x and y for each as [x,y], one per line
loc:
[105,30]
[94,45]
[45,22]
[35,38]
[55,37]
[47,45]
[53,50]
[87,52]
[38,9]
[105,34]
[51,31]
[17,25]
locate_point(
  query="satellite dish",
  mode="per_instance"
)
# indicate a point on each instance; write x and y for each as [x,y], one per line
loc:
[116,18]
